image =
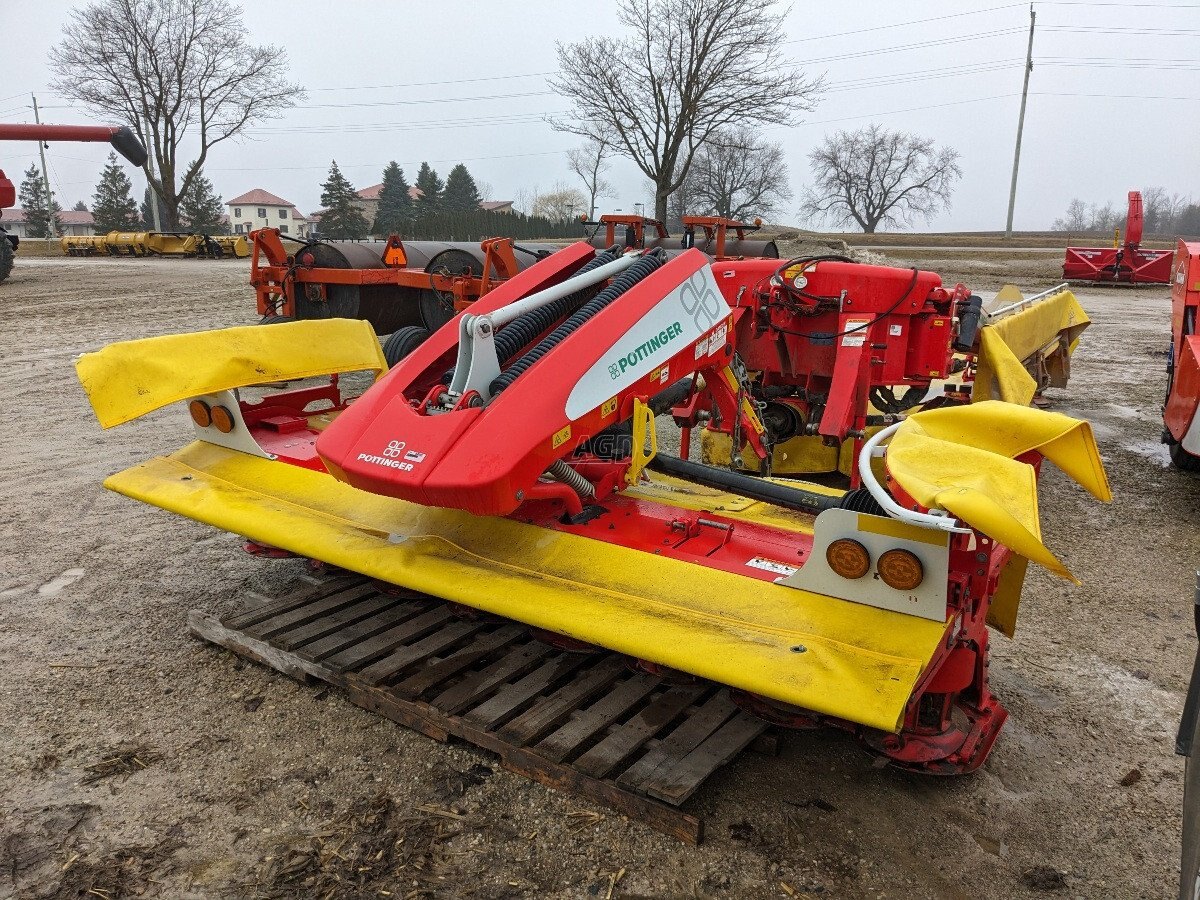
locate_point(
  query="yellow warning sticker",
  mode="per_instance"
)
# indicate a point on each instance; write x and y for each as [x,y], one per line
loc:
[609,407]
[560,437]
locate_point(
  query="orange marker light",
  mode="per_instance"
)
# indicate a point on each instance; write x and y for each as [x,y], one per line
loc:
[222,419]
[848,558]
[200,413]
[900,569]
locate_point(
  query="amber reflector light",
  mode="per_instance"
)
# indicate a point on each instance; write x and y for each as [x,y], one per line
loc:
[222,419]
[848,558]
[200,413]
[900,569]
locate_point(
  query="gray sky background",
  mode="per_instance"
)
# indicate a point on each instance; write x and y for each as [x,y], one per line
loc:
[1111,108]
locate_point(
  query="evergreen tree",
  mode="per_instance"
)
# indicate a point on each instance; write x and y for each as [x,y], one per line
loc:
[341,217]
[79,206]
[461,194]
[37,206]
[113,206]
[200,207]
[147,210]
[430,187]
[395,205]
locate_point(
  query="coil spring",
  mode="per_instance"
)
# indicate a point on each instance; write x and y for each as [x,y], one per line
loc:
[622,283]
[520,331]
[560,471]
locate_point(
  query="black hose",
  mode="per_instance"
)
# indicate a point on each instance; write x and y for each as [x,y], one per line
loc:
[647,264]
[760,489]
[522,330]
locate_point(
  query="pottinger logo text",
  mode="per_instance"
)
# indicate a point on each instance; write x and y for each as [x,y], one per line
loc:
[660,340]
[389,460]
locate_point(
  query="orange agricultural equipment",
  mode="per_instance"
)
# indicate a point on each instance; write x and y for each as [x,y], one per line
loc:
[1181,426]
[403,289]
[1126,263]
[123,140]
[708,234]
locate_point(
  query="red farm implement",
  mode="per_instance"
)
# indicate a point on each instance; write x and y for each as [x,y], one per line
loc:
[1122,263]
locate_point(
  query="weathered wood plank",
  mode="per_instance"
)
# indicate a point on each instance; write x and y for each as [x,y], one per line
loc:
[344,638]
[618,746]
[512,697]
[406,657]
[210,628]
[345,617]
[478,685]
[711,715]
[552,711]
[384,643]
[291,601]
[659,816]
[309,612]
[589,722]
[434,674]
[681,782]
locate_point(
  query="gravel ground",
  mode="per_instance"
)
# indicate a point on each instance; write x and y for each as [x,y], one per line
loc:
[137,761]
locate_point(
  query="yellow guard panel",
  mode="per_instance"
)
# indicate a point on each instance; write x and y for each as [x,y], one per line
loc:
[1005,345]
[963,460]
[131,378]
[855,662]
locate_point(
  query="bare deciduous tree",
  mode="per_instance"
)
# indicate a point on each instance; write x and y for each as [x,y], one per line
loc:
[590,163]
[176,71]
[736,175]
[560,203]
[872,177]
[686,71]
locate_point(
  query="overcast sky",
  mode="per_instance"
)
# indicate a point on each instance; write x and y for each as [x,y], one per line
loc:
[1112,99]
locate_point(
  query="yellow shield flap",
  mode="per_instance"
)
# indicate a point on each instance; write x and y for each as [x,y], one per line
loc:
[1006,344]
[131,378]
[963,460]
[832,656]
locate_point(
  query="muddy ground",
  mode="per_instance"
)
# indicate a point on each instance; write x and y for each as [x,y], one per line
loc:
[138,761]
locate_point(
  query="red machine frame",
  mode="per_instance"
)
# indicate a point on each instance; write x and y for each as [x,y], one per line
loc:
[275,273]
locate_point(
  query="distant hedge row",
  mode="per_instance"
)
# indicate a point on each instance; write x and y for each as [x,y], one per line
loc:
[475,226]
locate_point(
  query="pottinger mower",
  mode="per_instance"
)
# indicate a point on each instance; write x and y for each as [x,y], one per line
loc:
[1181,428]
[509,464]
[123,140]
[1127,263]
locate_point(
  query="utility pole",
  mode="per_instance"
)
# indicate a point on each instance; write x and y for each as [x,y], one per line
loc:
[1012,190]
[155,214]
[50,230]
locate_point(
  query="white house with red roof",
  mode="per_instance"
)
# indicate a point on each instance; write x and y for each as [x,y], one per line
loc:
[261,209]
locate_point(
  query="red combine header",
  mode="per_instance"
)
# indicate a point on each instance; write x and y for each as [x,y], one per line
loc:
[1127,263]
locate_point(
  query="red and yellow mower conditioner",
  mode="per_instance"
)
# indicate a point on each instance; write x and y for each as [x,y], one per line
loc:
[510,463]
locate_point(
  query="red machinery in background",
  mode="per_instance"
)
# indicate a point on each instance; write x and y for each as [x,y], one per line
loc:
[1181,427]
[122,138]
[1127,263]
[715,236]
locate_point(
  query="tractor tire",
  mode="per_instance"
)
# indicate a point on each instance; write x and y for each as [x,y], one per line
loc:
[1183,460]
[403,342]
[274,320]
[7,256]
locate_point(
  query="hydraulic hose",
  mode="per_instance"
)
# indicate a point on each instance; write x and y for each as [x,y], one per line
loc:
[649,263]
[761,489]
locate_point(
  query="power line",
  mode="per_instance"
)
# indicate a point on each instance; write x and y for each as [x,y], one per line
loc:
[379,87]
[378,165]
[973,12]
[917,46]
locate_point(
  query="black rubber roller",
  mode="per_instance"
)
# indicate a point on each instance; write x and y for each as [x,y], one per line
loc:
[643,267]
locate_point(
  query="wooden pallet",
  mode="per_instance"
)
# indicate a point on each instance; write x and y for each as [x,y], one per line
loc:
[586,723]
